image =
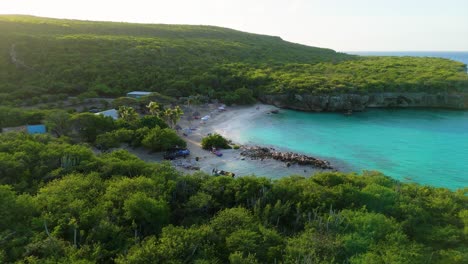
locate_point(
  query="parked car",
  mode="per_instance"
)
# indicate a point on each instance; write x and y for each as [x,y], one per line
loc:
[176,153]
[94,110]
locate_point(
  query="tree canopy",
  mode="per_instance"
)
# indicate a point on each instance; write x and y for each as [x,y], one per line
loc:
[63,203]
[44,59]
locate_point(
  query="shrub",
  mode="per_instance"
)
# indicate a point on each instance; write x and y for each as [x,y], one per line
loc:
[216,141]
[138,136]
[106,141]
[152,122]
[161,139]
[114,139]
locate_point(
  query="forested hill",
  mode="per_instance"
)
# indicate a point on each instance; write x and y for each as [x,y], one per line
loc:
[43,56]
[218,45]
[70,54]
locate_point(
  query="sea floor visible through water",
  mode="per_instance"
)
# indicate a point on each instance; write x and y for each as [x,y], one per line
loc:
[425,146]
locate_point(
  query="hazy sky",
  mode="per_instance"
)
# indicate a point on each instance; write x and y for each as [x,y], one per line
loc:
[343,25]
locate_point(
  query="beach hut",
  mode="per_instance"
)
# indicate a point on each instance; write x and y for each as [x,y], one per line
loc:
[13,129]
[36,129]
[111,113]
[138,94]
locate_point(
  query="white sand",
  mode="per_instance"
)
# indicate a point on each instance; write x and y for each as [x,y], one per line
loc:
[228,123]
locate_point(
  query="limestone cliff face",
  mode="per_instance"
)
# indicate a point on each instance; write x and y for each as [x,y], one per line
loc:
[359,102]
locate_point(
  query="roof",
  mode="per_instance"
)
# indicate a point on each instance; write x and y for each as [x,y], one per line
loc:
[36,129]
[111,112]
[14,129]
[139,93]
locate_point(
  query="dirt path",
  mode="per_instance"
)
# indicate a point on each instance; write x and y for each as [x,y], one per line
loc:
[14,58]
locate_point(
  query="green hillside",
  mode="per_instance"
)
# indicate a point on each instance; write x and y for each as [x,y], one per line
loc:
[62,203]
[42,56]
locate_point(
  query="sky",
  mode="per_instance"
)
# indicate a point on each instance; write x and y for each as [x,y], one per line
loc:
[343,25]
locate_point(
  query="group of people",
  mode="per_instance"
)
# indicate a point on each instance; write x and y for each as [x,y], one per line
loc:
[217,172]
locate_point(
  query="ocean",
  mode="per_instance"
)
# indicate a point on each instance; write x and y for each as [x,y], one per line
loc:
[426,146]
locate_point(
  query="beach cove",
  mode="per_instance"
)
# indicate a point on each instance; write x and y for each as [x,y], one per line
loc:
[221,122]
[424,146]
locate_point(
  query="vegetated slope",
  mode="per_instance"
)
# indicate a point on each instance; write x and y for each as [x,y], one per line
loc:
[76,56]
[42,56]
[62,203]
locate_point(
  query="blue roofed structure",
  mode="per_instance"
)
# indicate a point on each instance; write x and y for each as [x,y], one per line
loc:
[137,94]
[36,129]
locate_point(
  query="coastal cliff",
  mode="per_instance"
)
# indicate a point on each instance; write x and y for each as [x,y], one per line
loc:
[359,102]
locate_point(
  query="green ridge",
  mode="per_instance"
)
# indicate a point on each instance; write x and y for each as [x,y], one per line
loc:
[43,56]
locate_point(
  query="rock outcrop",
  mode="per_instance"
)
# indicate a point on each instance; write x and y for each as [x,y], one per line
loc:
[359,102]
[289,158]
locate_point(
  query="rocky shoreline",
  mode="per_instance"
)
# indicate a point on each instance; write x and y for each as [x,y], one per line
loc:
[257,152]
[359,102]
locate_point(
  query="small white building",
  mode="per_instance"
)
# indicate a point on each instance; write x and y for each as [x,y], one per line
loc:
[138,94]
[111,112]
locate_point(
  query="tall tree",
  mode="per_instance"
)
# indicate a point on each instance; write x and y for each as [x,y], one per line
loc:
[154,108]
[59,123]
[128,114]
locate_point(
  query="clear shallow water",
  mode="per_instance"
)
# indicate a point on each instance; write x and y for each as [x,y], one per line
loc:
[423,146]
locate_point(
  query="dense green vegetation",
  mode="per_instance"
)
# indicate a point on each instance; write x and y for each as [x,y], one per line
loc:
[45,59]
[104,133]
[61,203]
[215,141]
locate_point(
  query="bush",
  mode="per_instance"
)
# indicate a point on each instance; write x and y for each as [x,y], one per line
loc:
[138,136]
[161,139]
[152,122]
[114,139]
[106,141]
[89,126]
[216,141]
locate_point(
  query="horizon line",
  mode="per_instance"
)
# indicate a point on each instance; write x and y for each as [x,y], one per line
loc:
[218,26]
[346,51]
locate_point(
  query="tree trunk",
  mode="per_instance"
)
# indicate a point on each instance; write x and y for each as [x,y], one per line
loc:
[74,237]
[46,229]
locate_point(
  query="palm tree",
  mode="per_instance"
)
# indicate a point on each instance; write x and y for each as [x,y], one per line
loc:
[176,114]
[172,116]
[153,108]
[127,113]
[167,116]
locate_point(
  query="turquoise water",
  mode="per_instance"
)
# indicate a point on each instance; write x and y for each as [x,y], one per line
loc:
[424,146]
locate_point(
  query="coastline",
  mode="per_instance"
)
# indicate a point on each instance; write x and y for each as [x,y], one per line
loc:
[229,123]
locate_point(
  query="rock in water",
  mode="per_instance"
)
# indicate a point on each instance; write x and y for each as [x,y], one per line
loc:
[257,152]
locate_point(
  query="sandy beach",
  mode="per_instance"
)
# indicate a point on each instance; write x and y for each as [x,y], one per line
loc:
[228,123]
